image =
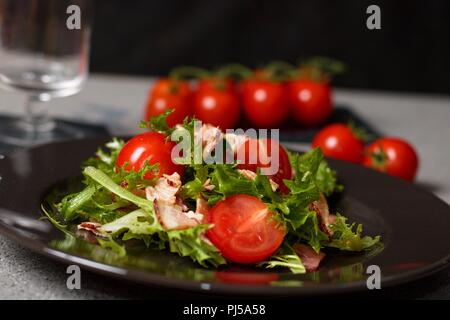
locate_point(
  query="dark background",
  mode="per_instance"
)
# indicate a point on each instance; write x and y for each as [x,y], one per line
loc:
[411,52]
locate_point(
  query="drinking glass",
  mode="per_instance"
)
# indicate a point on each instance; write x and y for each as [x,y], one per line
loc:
[44,54]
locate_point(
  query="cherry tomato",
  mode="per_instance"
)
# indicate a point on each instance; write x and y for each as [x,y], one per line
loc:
[310,101]
[339,141]
[217,107]
[244,230]
[284,166]
[265,102]
[226,85]
[168,94]
[152,147]
[393,156]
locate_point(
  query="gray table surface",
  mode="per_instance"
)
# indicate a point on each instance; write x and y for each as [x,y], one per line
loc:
[117,102]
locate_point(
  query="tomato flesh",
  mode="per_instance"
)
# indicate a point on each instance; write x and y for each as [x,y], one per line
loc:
[244,230]
[152,147]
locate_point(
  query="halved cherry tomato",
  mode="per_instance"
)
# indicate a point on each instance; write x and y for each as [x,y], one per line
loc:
[219,107]
[244,230]
[152,147]
[310,101]
[393,156]
[169,94]
[265,102]
[340,142]
[284,166]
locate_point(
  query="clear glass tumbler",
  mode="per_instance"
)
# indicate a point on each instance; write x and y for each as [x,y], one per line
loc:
[44,53]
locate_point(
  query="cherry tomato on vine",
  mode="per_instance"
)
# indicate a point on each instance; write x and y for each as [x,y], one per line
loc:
[169,94]
[265,102]
[340,142]
[264,149]
[394,156]
[310,101]
[244,230]
[217,105]
[215,83]
[151,147]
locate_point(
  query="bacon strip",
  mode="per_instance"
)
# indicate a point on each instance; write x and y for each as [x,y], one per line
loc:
[310,258]
[209,136]
[202,207]
[90,226]
[172,217]
[323,213]
[165,188]
[170,209]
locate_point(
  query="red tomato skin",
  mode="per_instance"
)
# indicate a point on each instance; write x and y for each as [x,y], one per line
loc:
[167,94]
[238,236]
[152,147]
[226,85]
[402,160]
[284,165]
[217,107]
[265,103]
[339,142]
[310,101]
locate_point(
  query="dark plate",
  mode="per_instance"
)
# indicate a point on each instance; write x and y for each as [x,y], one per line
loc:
[414,225]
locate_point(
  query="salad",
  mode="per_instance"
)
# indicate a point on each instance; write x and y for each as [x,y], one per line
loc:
[213,213]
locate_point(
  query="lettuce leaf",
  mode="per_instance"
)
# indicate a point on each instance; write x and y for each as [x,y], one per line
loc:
[190,243]
[106,182]
[186,242]
[136,222]
[105,160]
[348,236]
[285,257]
[159,123]
[70,204]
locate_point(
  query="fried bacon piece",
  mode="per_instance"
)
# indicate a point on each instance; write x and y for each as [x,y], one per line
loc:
[170,209]
[310,258]
[323,213]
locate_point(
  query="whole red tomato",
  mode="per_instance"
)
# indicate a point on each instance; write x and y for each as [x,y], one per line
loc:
[151,147]
[265,102]
[216,103]
[169,94]
[216,83]
[310,101]
[393,156]
[340,142]
[264,147]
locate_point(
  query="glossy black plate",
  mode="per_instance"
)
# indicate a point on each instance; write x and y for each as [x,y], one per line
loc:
[414,226]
